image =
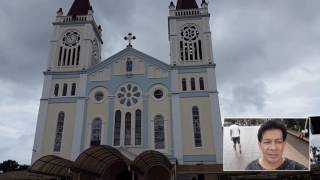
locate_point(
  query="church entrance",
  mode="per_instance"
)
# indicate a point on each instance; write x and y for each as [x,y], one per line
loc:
[158,173]
[125,175]
[117,171]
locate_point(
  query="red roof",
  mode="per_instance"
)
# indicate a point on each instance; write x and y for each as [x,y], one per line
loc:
[186,4]
[79,7]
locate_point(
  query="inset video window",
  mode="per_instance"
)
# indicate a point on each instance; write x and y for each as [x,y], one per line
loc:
[315,141]
[265,144]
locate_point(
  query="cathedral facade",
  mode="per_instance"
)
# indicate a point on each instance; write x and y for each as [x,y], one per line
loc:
[130,105]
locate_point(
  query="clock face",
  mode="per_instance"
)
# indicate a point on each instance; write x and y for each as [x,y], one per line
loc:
[71,39]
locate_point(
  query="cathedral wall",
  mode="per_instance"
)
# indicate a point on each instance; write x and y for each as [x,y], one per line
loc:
[154,72]
[101,75]
[203,104]
[160,107]
[50,131]
[97,109]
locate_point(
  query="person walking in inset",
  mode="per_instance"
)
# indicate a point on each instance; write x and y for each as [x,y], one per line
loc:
[235,136]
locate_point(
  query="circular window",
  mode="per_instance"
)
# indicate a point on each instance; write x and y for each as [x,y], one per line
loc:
[189,33]
[71,39]
[158,94]
[99,96]
[129,95]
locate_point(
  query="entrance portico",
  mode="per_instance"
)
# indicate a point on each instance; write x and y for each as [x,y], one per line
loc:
[107,163]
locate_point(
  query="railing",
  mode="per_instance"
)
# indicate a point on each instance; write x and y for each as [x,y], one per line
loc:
[74,19]
[188,12]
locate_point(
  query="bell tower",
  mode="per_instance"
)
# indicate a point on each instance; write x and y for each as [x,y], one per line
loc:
[189,33]
[76,40]
[193,83]
[75,46]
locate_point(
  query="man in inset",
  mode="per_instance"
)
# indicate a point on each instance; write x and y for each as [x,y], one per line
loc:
[272,141]
[235,136]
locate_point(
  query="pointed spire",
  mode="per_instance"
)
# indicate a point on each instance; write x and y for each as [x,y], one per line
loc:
[187,4]
[80,7]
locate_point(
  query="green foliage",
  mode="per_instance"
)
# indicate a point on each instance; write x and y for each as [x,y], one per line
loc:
[11,165]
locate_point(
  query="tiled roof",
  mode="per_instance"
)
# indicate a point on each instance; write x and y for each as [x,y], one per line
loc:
[186,4]
[79,7]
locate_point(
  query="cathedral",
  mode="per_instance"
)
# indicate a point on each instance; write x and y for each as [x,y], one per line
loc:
[130,116]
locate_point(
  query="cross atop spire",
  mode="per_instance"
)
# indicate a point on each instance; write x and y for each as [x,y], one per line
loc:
[80,7]
[187,4]
[129,38]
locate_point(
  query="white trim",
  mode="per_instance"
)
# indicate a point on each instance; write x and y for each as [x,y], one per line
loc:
[41,123]
[217,131]
[176,118]
[79,121]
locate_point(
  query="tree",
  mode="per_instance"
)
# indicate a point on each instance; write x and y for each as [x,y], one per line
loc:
[8,165]
[11,165]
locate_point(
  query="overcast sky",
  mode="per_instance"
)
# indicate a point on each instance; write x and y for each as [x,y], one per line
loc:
[267,55]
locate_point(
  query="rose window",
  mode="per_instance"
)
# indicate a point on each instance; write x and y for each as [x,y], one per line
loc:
[129,95]
[190,33]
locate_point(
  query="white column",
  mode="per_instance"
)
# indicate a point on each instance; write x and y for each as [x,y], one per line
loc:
[216,117]
[41,123]
[80,119]
[176,117]
[42,118]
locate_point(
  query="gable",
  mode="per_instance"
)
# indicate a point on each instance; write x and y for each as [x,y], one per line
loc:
[116,65]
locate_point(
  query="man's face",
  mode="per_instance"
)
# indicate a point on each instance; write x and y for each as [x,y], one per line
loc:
[272,146]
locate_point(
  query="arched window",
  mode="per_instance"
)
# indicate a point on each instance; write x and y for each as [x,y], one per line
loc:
[59,131]
[196,127]
[96,132]
[159,138]
[129,65]
[193,84]
[56,90]
[138,128]
[201,83]
[73,89]
[117,128]
[184,84]
[65,88]
[127,129]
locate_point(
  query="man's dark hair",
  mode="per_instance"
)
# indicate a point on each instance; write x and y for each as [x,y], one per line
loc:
[272,124]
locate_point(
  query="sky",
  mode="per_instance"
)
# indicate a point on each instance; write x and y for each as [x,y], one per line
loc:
[267,55]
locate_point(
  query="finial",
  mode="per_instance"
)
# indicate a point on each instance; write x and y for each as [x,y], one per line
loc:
[129,38]
[172,6]
[60,12]
[204,4]
[100,29]
[90,10]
